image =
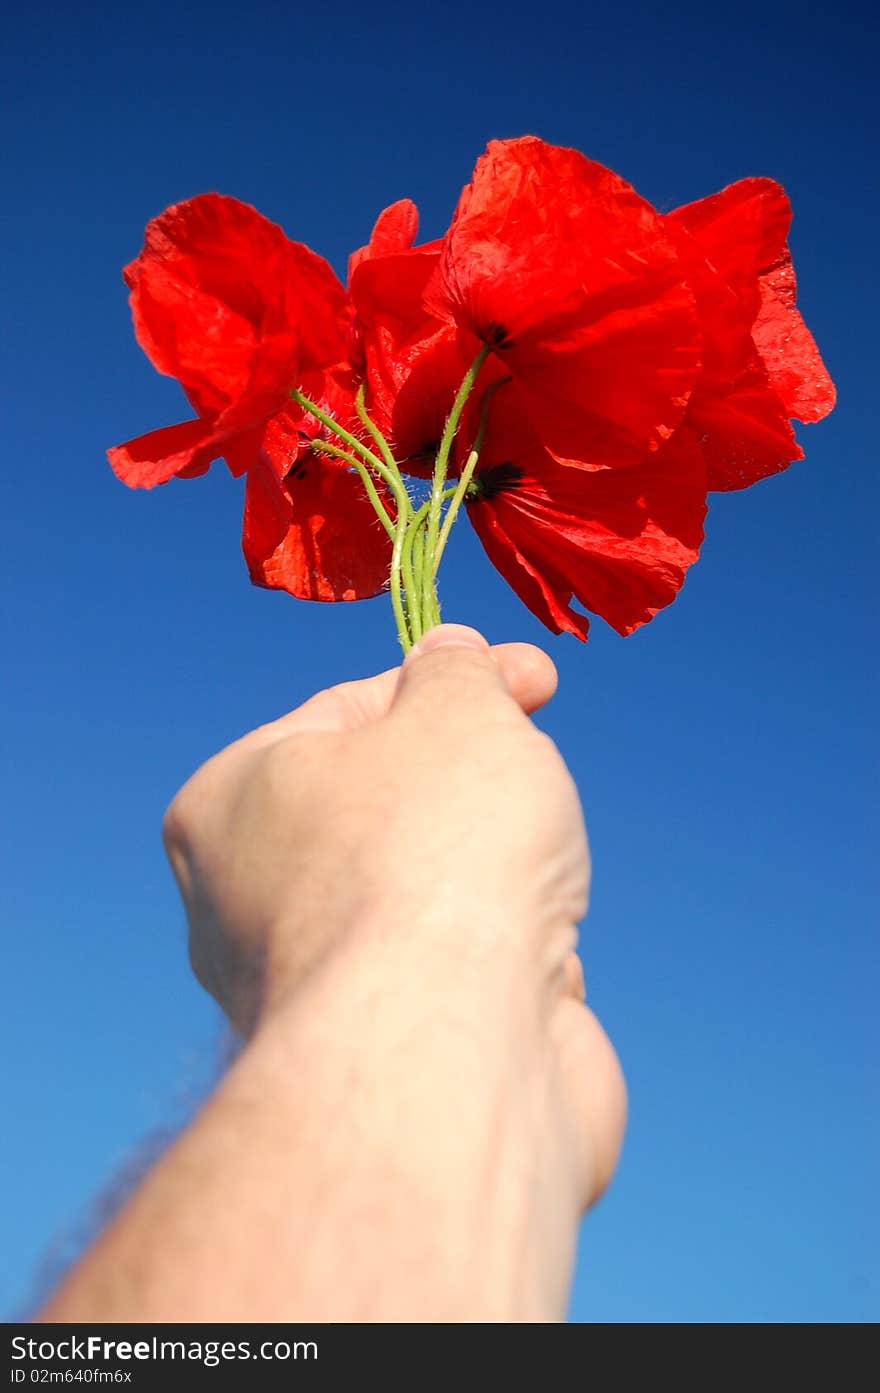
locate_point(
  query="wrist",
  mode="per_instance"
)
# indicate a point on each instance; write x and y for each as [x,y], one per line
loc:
[485,955]
[435,1116]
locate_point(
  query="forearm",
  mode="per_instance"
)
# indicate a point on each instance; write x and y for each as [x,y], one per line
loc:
[387,1146]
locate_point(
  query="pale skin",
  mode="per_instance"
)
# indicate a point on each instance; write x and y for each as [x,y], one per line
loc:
[383,889]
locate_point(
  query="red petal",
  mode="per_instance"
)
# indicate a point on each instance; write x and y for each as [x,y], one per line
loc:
[186,449]
[789,352]
[240,452]
[414,362]
[544,591]
[334,392]
[394,231]
[740,420]
[744,430]
[742,232]
[614,390]
[215,283]
[185,452]
[619,541]
[571,275]
[393,286]
[314,533]
[414,396]
[725,321]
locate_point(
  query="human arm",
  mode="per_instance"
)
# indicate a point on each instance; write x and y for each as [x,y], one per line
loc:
[382,890]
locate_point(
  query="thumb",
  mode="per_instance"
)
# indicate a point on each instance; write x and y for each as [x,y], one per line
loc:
[451,675]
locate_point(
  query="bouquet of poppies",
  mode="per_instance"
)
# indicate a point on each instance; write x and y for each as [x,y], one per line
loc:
[572,369]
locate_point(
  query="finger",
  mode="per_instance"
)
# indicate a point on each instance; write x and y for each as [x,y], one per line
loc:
[529,674]
[527,671]
[451,676]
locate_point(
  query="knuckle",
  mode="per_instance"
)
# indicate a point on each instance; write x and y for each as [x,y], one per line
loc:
[187,806]
[548,747]
[547,758]
[176,823]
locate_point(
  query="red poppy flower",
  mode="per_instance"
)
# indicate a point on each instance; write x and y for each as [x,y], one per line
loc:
[573,280]
[224,302]
[309,527]
[619,541]
[761,365]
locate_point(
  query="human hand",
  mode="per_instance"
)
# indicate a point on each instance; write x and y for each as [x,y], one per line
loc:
[400,796]
[417,817]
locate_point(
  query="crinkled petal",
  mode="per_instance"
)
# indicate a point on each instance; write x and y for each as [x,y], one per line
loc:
[743,430]
[394,231]
[725,320]
[392,287]
[414,362]
[309,527]
[571,277]
[412,387]
[240,451]
[741,232]
[215,283]
[789,352]
[542,589]
[611,391]
[619,541]
[739,418]
[186,450]
[334,391]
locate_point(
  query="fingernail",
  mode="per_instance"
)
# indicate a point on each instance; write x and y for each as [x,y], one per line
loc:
[447,636]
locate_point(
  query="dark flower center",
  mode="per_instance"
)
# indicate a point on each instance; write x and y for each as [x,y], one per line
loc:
[496,336]
[496,479]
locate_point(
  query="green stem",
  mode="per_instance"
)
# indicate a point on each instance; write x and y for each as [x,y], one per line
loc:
[414,619]
[390,474]
[410,586]
[391,477]
[416,544]
[396,531]
[427,609]
[414,562]
[325,447]
[417,540]
[458,493]
[441,463]
[403,615]
[379,439]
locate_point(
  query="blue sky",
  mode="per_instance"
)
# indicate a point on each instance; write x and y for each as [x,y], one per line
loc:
[725,754]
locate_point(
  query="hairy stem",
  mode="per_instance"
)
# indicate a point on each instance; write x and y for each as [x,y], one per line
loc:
[459,492]
[404,605]
[325,447]
[391,477]
[441,463]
